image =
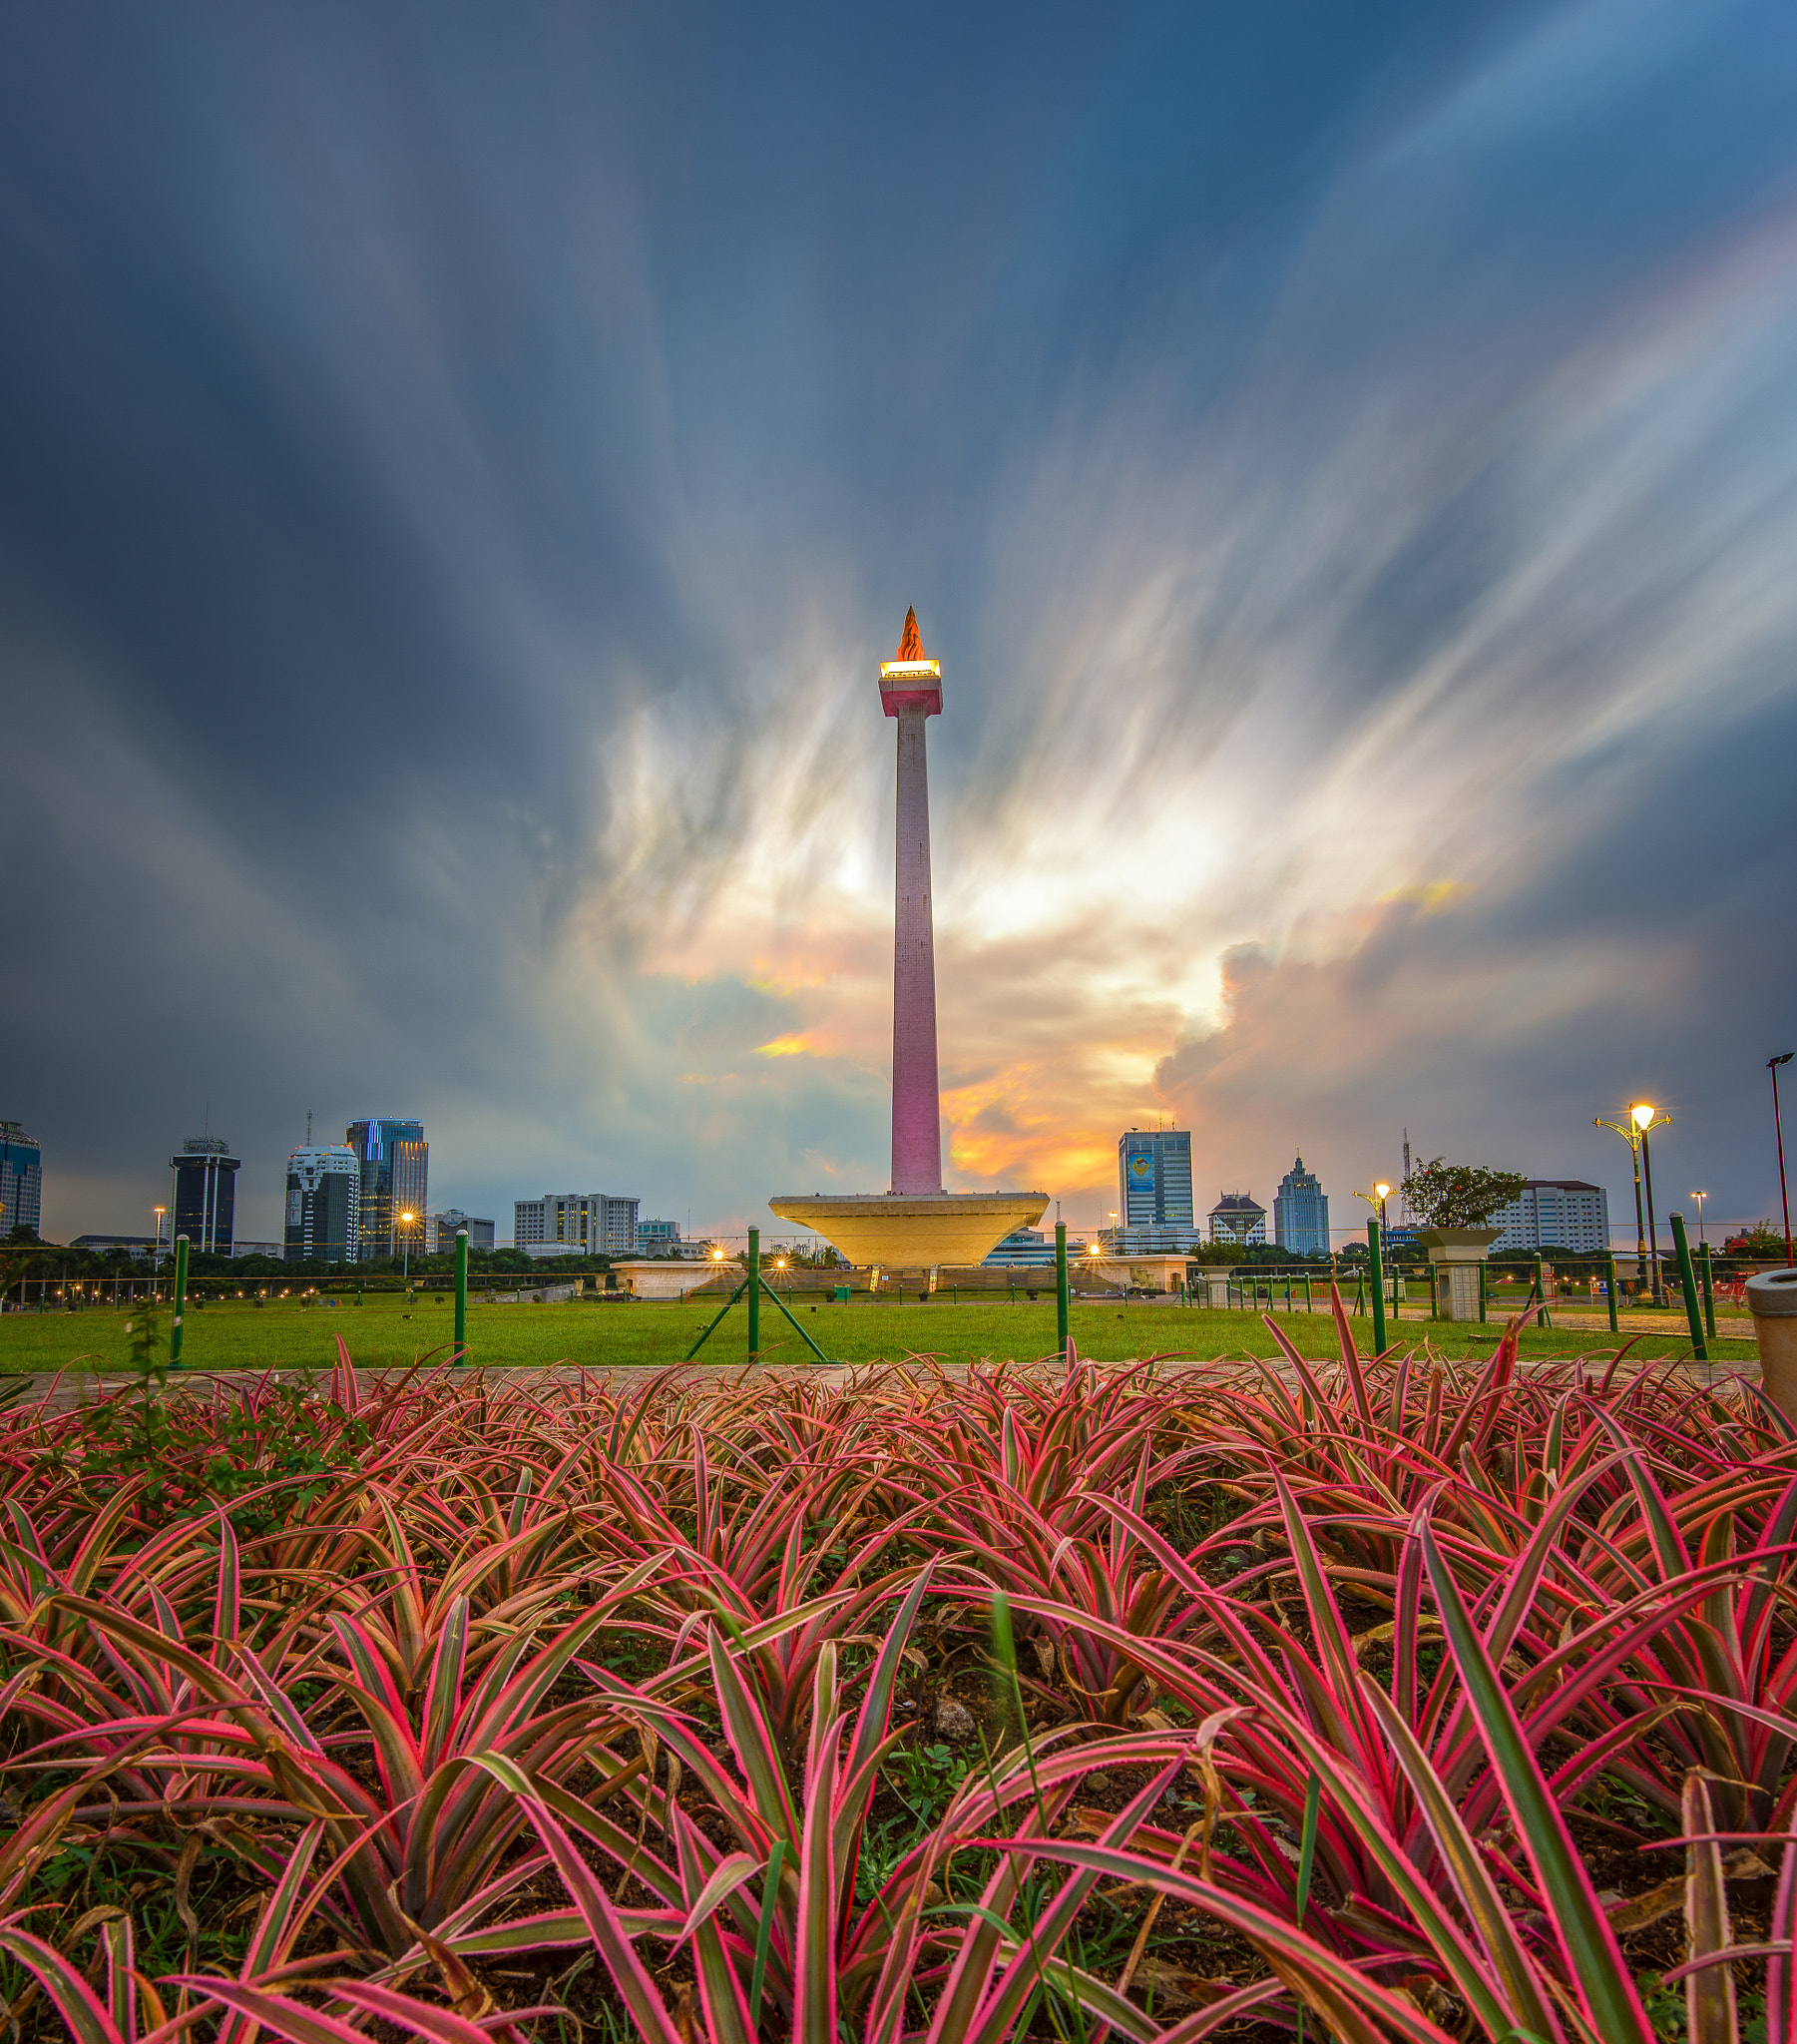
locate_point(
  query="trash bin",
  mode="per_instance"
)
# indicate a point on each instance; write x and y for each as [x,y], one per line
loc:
[1772,1301]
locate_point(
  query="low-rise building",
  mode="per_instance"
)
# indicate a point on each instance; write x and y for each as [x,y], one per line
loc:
[441,1230]
[1152,1242]
[663,1238]
[1023,1248]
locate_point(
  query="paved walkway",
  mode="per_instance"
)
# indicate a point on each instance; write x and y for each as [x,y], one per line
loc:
[68,1389]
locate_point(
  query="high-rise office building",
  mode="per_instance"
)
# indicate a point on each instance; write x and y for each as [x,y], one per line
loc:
[1237,1217]
[206,1192]
[1301,1212]
[1556,1214]
[575,1224]
[394,1159]
[21,1179]
[324,1204]
[1154,1177]
[441,1230]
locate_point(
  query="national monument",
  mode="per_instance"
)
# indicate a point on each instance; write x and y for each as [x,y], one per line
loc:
[914,1224]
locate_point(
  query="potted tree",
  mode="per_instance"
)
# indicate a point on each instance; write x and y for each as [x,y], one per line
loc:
[1454,1202]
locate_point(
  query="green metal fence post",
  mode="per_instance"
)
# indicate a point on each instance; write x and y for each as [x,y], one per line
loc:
[1609,1288]
[1482,1293]
[1709,1294]
[181,1301]
[461,1295]
[1694,1311]
[1060,1286]
[754,1292]
[1377,1274]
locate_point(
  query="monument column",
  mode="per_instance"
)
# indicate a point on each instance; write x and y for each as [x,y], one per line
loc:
[910,691]
[916,1100]
[913,1225]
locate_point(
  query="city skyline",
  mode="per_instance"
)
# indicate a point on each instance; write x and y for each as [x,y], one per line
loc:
[1347,462]
[1095,1218]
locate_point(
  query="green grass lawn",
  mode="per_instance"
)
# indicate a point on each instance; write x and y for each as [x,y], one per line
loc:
[236,1335]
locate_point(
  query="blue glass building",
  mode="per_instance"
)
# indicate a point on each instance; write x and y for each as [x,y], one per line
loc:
[1154,1177]
[395,1163]
[21,1179]
[1301,1212]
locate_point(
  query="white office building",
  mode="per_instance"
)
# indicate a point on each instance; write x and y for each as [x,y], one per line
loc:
[1556,1214]
[1238,1216]
[575,1224]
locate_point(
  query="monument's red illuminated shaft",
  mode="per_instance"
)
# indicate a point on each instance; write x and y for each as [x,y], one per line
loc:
[910,691]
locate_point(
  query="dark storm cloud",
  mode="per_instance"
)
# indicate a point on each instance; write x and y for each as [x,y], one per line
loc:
[456,468]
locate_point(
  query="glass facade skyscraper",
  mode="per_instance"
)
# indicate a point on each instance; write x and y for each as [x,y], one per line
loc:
[1154,1177]
[324,1202]
[1301,1212]
[206,1192]
[21,1179]
[395,1161]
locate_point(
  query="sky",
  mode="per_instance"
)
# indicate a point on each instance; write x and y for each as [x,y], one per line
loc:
[460,468]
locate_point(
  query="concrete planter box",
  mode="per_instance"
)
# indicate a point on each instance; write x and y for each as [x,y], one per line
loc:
[1772,1299]
[1459,1253]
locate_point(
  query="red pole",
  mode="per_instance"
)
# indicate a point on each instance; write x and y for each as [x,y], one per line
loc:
[1772,1065]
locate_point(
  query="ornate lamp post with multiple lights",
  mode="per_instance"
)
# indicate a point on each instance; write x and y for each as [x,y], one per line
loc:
[1634,1132]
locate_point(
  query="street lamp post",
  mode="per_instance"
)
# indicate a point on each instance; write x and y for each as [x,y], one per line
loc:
[1644,1117]
[1784,1197]
[1376,1198]
[1634,1132]
[405,1248]
[1699,1198]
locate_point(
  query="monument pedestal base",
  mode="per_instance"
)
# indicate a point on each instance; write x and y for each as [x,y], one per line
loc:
[902,1232]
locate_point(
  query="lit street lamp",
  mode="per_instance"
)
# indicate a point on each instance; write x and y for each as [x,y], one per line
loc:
[405,1247]
[156,1247]
[1634,1132]
[1784,1197]
[1376,1198]
[1645,1119]
[1699,1198]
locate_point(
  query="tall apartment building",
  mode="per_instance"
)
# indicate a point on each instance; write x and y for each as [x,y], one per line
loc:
[1237,1217]
[1301,1212]
[441,1230]
[206,1194]
[394,1159]
[575,1224]
[1556,1214]
[1154,1177]
[21,1179]
[324,1204]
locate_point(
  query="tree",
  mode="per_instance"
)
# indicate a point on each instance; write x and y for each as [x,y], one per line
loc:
[1217,1252]
[1760,1240]
[1443,1195]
